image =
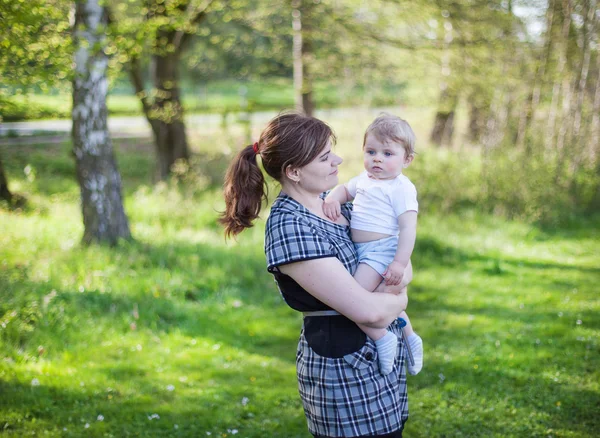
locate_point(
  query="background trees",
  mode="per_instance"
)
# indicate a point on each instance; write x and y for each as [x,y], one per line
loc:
[524,75]
[34,52]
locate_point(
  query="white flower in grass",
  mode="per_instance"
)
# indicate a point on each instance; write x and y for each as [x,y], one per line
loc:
[176,426]
[35,382]
[100,418]
[170,388]
[209,433]
[245,401]
[232,431]
[153,417]
[87,425]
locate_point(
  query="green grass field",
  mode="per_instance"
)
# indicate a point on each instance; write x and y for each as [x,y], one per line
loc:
[182,334]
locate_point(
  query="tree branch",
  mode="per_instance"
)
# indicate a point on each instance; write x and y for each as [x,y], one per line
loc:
[181,36]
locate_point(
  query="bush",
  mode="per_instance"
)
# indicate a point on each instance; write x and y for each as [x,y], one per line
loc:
[12,110]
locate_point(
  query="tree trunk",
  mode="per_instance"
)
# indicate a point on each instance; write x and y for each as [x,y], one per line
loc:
[5,194]
[164,110]
[104,218]
[302,50]
[528,113]
[443,126]
[167,114]
[559,82]
[593,152]
[477,118]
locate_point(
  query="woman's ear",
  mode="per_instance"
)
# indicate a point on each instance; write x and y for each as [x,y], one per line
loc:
[292,173]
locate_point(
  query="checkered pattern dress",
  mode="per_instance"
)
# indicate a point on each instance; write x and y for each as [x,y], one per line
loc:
[342,396]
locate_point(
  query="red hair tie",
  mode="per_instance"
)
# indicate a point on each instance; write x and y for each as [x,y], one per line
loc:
[255,147]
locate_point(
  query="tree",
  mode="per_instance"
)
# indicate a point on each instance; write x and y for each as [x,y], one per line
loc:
[34,51]
[302,18]
[104,218]
[163,35]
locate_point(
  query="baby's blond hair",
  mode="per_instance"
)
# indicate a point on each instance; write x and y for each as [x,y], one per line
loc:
[387,127]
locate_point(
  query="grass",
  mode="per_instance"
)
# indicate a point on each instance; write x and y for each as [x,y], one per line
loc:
[182,334]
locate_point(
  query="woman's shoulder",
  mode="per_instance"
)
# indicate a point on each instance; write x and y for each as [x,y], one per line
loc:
[283,209]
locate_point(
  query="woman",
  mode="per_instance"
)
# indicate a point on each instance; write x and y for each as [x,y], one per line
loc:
[312,260]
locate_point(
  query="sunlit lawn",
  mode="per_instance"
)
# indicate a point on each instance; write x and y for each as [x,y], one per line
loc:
[182,334]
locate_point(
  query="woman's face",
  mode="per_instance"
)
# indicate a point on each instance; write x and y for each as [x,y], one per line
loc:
[321,174]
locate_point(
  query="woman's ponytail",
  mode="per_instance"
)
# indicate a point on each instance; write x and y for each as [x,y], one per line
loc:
[244,191]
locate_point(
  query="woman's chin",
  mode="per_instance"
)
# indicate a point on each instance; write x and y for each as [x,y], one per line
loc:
[332,181]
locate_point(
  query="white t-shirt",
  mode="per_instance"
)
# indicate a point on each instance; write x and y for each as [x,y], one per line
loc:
[378,203]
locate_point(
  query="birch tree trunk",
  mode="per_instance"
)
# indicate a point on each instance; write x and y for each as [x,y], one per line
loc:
[302,50]
[104,218]
[528,114]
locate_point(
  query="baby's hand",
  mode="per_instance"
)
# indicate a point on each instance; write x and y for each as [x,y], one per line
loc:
[332,209]
[394,273]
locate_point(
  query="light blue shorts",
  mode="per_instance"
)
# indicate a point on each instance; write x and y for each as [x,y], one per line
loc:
[378,254]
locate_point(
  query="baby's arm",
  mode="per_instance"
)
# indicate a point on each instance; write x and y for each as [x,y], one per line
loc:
[407,223]
[332,203]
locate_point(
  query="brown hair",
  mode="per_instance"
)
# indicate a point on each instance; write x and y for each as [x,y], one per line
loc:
[290,139]
[387,127]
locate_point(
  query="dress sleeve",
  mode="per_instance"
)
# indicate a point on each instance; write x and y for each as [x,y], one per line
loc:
[291,238]
[404,198]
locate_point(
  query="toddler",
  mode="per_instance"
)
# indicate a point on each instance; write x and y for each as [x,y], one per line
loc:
[384,223]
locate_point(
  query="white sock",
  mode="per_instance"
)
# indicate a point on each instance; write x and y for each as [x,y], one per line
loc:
[416,347]
[387,348]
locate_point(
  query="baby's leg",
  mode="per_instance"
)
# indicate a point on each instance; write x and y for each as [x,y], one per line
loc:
[416,346]
[369,279]
[386,342]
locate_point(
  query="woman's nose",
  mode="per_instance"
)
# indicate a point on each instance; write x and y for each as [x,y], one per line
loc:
[337,161]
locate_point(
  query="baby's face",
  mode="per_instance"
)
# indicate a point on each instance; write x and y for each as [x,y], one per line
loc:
[384,160]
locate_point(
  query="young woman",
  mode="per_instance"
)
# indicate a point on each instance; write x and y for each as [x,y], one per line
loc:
[312,259]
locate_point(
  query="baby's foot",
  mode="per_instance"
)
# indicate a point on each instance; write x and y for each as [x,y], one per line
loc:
[416,348]
[387,348]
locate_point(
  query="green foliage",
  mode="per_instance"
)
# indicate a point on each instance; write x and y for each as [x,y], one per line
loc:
[35,47]
[180,333]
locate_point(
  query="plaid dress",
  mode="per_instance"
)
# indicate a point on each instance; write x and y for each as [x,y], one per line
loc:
[342,391]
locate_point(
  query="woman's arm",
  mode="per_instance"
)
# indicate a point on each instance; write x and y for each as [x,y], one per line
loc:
[328,281]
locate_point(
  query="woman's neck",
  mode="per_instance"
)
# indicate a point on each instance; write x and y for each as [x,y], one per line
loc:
[311,201]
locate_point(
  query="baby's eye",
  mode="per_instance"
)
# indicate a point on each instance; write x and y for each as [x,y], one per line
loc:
[388,154]
[371,152]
